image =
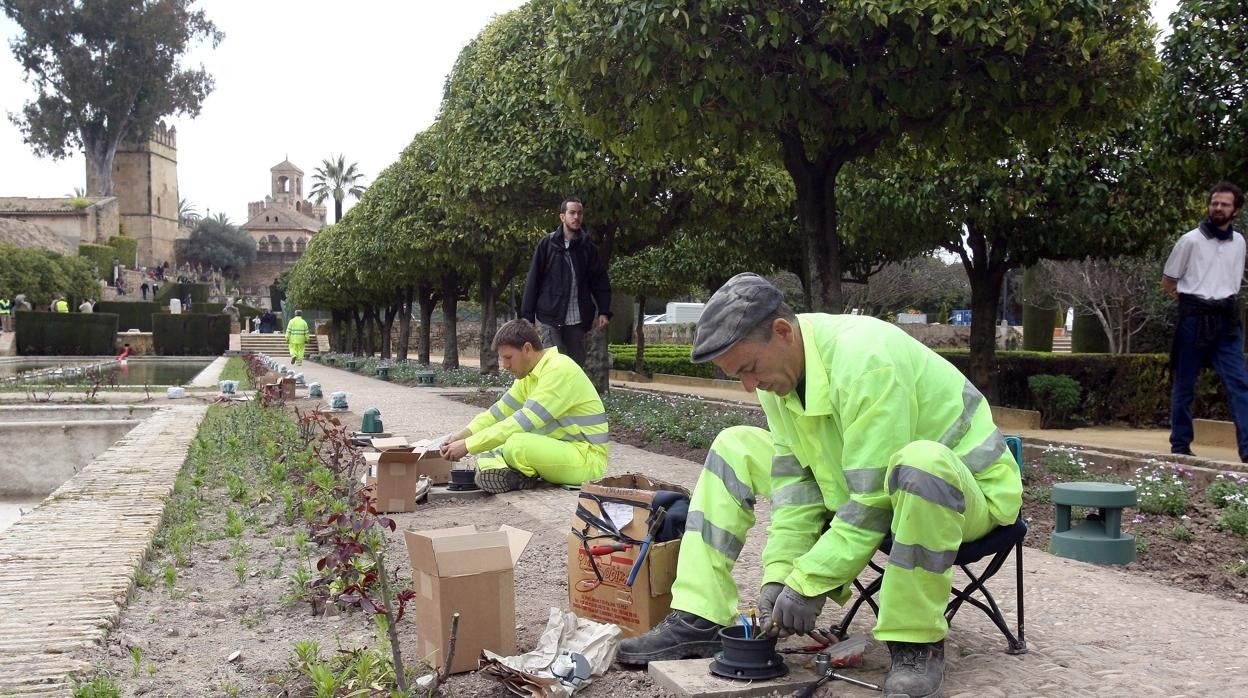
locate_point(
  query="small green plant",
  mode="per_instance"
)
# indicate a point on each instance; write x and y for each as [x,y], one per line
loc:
[1180,532]
[1225,487]
[152,669]
[97,687]
[136,656]
[1234,517]
[1162,489]
[239,550]
[252,620]
[1056,396]
[299,581]
[240,569]
[1141,545]
[233,524]
[279,541]
[1238,568]
[170,574]
[143,579]
[231,689]
[236,486]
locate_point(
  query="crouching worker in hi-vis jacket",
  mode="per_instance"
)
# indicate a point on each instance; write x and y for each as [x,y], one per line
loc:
[550,424]
[869,433]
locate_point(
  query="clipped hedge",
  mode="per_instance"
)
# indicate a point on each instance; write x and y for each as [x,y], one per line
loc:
[1131,388]
[66,334]
[131,316]
[672,359]
[173,289]
[190,334]
[127,250]
[101,256]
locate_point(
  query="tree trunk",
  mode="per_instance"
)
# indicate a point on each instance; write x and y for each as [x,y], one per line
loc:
[450,305]
[339,337]
[337,209]
[815,184]
[359,346]
[370,330]
[428,303]
[387,327]
[489,315]
[100,155]
[639,363]
[405,323]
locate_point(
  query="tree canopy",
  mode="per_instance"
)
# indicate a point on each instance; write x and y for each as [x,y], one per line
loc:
[104,71]
[42,275]
[1204,87]
[216,242]
[826,83]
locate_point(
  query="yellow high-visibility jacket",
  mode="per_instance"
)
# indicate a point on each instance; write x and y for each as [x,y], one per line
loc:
[870,389]
[297,330]
[556,399]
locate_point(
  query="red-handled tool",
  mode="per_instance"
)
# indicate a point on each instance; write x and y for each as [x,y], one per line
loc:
[659,515]
[600,550]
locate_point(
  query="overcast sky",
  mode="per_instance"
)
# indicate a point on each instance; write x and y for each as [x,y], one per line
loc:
[293,80]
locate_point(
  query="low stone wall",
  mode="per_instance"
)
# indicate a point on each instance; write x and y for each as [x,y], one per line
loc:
[41,456]
[140,343]
[959,336]
[670,333]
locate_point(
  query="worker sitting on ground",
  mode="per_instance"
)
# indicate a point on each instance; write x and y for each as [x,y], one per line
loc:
[550,424]
[297,337]
[869,434]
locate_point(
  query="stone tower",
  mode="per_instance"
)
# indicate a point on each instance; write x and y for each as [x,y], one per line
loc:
[145,182]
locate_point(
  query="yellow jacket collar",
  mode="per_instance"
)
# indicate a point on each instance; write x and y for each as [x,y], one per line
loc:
[818,395]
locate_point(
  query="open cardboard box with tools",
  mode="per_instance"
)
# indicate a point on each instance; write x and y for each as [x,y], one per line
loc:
[472,573]
[612,527]
[397,467]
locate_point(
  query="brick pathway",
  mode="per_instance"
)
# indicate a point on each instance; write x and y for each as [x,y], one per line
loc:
[1092,631]
[66,568]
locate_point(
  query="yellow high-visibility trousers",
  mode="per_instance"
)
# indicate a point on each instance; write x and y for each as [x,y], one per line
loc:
[936,505]
[553,460]
[296,350]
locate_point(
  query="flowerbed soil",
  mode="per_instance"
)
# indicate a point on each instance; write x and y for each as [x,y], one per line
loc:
[185,629]
[1203,564]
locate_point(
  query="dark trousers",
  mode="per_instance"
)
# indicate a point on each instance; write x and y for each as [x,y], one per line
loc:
[1226,355]
[569,339]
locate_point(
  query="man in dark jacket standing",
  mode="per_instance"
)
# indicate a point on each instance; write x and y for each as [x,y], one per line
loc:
[567,292]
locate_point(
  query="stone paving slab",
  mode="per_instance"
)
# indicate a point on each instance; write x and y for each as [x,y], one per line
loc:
[1092,631]
[67,568]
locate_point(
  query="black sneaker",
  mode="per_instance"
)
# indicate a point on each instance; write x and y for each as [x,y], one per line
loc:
[918,669]
[1182,452]
[680,635]
[500,480]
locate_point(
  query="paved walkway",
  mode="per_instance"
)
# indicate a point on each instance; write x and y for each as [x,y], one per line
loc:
[1092,631]
[67,567]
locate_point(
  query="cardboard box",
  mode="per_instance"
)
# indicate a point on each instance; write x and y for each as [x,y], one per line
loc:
[461,570]
[397,472]
[609,599]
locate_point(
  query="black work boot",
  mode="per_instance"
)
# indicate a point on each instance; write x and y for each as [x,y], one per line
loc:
[500,480]
[918,669]
[680,635]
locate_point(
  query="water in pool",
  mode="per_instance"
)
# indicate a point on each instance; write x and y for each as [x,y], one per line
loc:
[135,372]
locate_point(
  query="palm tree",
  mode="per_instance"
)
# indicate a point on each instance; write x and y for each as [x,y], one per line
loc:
[187,215]
[337,179]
